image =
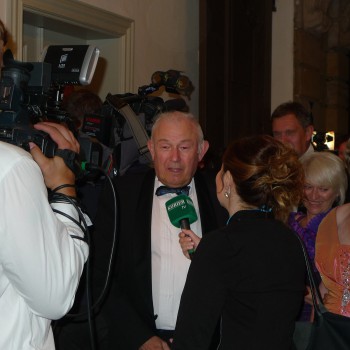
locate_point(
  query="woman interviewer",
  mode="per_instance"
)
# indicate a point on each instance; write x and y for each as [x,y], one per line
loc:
[250,273]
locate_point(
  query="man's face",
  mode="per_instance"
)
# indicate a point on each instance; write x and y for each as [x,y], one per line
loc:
[289,131]
[174,150]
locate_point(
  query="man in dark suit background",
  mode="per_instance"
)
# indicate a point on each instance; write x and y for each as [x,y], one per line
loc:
[150,268]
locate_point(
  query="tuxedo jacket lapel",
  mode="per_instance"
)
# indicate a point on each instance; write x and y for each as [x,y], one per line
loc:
[143,217]
[142,242]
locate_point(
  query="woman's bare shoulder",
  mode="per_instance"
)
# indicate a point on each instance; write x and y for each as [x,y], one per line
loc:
[343,223]
[343,213]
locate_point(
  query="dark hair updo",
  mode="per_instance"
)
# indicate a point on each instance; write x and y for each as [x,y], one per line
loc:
[266,173]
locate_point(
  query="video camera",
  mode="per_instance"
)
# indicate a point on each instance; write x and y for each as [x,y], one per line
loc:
[31,92]
[125,121]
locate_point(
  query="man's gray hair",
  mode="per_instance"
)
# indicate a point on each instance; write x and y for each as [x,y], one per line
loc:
[177,115]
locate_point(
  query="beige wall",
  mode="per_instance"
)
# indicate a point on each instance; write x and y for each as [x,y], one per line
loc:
[166,37]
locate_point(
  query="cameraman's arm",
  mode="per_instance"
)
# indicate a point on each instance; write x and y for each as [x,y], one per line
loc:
[39,254]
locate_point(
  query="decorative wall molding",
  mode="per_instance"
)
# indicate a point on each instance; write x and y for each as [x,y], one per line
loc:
[81,15]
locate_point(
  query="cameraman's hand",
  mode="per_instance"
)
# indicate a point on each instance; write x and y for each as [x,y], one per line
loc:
[54,169]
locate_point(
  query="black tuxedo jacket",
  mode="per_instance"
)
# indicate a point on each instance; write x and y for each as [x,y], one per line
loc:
[128,308]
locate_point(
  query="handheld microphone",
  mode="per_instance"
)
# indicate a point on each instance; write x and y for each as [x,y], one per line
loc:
[181,213]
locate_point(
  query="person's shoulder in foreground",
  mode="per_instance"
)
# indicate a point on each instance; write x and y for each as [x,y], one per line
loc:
[43,250]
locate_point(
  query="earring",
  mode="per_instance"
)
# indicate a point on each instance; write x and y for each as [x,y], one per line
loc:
[227,193]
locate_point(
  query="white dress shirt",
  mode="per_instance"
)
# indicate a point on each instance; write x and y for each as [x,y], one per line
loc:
[40,263]
[169,265]
[308,151]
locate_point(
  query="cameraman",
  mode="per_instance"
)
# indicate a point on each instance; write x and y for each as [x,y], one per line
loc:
[42,254]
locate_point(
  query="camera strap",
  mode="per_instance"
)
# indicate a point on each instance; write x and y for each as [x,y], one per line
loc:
[139,133]
[71,159]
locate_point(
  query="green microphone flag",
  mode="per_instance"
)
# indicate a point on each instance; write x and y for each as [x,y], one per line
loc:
[180,210]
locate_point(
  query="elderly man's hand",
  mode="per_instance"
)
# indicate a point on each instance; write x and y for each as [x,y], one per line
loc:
[54,170]
[155,343]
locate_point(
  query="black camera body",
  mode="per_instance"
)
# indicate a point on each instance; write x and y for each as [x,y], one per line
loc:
[32,92]
[16,117]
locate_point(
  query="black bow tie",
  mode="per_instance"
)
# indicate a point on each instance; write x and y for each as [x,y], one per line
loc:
[180,190]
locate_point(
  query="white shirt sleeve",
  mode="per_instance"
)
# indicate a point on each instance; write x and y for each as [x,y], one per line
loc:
[40,259]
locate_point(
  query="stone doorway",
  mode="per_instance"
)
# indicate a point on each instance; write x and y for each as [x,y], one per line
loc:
[321,63]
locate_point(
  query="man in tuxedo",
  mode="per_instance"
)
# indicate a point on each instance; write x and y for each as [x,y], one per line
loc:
[150,269]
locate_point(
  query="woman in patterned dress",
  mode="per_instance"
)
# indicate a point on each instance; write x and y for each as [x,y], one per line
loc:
[333,259]
[333,256]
